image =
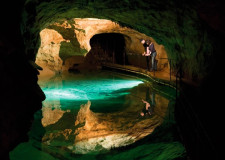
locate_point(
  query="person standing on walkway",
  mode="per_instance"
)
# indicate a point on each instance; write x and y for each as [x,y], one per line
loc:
[153,54]
[146,53]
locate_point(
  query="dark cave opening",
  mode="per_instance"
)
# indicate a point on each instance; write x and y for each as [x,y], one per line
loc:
[107,47]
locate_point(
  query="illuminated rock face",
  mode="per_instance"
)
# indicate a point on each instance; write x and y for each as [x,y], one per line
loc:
[48,53]
[91,27]
[81,31]
[180,27]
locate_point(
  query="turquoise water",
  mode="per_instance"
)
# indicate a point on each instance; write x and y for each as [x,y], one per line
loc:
[89,89]
[110,93]
[105,91]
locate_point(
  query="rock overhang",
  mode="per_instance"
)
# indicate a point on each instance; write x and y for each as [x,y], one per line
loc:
[177,27]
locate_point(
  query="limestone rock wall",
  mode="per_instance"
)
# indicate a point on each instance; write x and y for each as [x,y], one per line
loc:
[48,53]
[177,26]
[54,54]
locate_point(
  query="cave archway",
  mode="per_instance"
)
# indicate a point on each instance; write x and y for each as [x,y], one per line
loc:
[107,47]
[93,41]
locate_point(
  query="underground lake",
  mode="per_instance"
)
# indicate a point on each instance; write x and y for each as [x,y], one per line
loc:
[96,115]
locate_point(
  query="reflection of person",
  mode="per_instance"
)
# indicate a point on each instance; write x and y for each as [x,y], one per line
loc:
[147,109]
[146,53]
[153,55]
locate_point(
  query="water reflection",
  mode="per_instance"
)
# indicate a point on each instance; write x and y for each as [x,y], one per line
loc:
[88,88]
[84,129]
[51,110]
[76,117]
[150,98]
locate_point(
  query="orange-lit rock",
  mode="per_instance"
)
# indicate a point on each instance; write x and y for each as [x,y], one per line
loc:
[80,32]
[86,28]
[48,53]
[51,116]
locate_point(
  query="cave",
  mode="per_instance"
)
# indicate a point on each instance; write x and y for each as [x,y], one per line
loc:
[49,41]
[108,46]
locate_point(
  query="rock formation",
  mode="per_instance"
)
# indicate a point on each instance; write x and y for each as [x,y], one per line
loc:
[57,43]
[51,116]
[94,132]
[48,53]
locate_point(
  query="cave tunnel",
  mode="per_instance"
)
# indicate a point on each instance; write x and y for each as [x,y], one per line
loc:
[192,35]
[108,47]
[103,41]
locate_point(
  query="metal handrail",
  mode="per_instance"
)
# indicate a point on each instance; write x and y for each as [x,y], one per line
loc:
[139,64]
[170,62]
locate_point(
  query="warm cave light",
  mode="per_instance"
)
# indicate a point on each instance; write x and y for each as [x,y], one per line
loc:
[90,90]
